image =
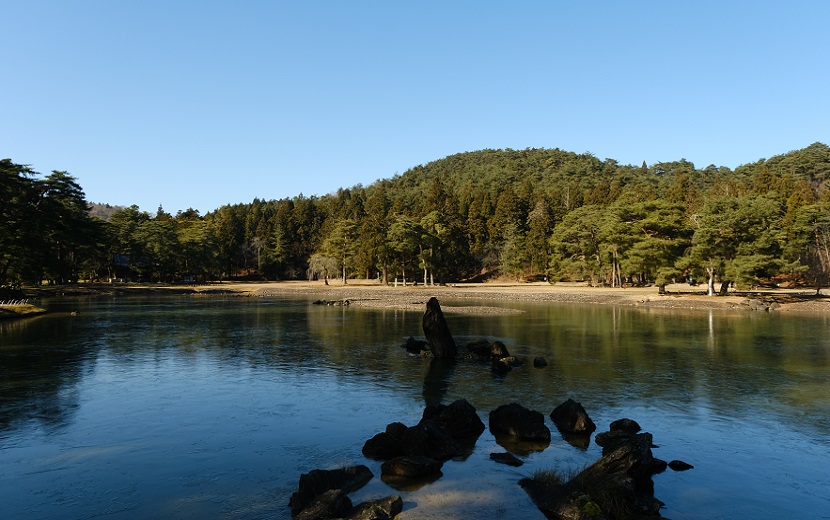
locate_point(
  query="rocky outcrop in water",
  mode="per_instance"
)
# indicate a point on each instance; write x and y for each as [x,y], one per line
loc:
[410,467]
[317,482]
[618,486]
[438,332]
[323,494]
[488,350]
[571,418]
[515,420]
[459,418]
[436,436]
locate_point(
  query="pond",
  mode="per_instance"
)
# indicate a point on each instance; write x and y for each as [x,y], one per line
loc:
[186,407]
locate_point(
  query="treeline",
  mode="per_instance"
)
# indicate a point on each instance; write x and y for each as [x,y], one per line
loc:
[528,214]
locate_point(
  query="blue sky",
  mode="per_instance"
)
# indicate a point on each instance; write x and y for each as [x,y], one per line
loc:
[205,103]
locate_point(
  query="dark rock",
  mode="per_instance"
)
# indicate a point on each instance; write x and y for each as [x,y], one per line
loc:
[318,481]
[479,348]
[410,467]
[487,350]
[756,305]
[513,361]
[611,440]
[429,439]
[505,364]
[438,332]
[620,482]
[395,429]
[501,366]
[539,362]
[627,425]
[333,503]
[415,346]
[517,421]
[333,302]
[506,458]
[383,446]
[381,509]
[571,417]
[459,418]
[561,501]
[679,465]
[499,350]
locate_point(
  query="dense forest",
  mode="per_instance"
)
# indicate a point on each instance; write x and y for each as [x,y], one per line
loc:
[529,214]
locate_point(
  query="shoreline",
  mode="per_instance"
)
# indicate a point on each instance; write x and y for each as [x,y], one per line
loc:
[368,293]
[16,312]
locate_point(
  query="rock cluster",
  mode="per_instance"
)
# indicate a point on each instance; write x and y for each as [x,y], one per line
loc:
[323,494]
[617,486]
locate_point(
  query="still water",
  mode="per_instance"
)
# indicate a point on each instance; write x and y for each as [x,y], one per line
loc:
[212,408]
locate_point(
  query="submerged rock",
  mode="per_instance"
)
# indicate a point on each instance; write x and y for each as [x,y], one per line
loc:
[333,503]
[487,350]
[679,465]
[506,458]
[381,509]
[410,467]
[415,346]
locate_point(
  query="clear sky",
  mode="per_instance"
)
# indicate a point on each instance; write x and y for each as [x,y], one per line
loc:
[205,103]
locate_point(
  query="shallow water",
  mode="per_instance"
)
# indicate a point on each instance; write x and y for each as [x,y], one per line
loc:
[189,407]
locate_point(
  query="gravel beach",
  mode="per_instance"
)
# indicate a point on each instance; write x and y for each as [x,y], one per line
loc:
[369,293]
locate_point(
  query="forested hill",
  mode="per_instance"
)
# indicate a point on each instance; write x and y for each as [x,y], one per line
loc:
[524,213]
[555,171]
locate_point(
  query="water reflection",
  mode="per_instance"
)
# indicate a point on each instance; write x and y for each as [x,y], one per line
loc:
[437,380]
[200,397]
[39,374]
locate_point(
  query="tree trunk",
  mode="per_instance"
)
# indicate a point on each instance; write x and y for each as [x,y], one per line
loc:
[724,287]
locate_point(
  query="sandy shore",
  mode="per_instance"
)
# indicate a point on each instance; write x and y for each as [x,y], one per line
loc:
[371,294]
[678,296]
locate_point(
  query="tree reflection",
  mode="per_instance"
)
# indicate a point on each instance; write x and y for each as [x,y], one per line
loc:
[39,373]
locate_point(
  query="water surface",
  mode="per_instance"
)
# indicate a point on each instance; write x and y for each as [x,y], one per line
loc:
[188,407]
